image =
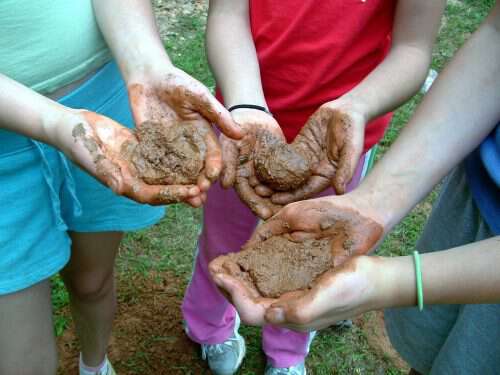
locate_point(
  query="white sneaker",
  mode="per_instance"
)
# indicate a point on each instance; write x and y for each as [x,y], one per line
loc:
[107,369]
[299,369]
[225,358]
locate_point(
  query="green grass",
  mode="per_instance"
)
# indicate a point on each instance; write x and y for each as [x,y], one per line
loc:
[170,245]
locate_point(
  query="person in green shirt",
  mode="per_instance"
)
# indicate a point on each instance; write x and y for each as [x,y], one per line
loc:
[61,91]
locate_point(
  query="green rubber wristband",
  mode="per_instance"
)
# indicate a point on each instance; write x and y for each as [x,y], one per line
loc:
[418,274]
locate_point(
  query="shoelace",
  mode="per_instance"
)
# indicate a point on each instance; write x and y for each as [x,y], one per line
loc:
[214,349]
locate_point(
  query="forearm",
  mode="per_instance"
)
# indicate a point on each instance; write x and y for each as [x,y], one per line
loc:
[28,113]
[405,68]
[462,275]
[231,53]
[457,113]
[391,84]
[130,30]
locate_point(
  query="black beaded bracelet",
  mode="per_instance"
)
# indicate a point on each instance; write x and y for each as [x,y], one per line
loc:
[249,106]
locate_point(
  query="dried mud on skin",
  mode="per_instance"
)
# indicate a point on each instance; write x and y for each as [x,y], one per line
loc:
[277,265]
[167,155]
[148,337]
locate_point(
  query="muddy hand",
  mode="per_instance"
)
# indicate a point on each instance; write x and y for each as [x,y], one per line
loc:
[238,158]
[246,299]
[339,294]
[96,144]
[170,90]
[333,137]
[353,228]
[168,95]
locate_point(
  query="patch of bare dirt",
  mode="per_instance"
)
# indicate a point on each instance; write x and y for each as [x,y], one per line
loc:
[148,337]
[373,326]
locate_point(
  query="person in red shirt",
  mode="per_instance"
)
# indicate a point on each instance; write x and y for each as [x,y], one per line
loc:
[310,64]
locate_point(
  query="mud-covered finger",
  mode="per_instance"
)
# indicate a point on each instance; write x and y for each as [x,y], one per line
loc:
[274,226]
[195,202]
[213,158]
[344,148]
[210,108]
[264,191]
[259,206]
[161,195]
[253,181]
[314,185]
[229,162]
[203,182]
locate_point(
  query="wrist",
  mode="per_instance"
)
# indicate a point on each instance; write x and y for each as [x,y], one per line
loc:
[147,68]
[261,108]
[378,203]
[356,104]
[396,282]
[60,127]
[53,120]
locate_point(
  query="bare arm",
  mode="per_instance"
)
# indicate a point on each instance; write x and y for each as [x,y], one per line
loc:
[228,30]
[233,59]
[458,112]
[404,69]
[462,275]
[389,85]
[130,30]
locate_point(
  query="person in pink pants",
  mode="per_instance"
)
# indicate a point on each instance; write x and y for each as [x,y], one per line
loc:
[227,224]
[330,73]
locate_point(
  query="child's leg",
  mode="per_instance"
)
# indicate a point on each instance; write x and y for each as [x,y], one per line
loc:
[227,224]
[89,279]
[283,347]
[95,217]
[27,344]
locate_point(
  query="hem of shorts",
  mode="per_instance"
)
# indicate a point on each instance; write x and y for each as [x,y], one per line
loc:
[113,226]
[34,277]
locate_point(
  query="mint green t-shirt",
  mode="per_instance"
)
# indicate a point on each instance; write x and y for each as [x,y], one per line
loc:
[47,44]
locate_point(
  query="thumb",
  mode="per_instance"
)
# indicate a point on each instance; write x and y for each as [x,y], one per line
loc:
[275,315]
[229,161]
[210,108]
[344,147]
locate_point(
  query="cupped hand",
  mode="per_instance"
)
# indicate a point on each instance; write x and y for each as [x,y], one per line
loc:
[98,144]
[334,137]
[238,160]
[169,96]
[342,293]
[350,223]
[250,305]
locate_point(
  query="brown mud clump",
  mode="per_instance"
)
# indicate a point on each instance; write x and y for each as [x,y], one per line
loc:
[278,265]
[280,165]
[168,155]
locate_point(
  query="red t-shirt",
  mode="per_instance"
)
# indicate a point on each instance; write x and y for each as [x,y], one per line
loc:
[313,51]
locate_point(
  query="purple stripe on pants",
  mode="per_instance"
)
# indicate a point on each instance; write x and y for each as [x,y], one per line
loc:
[227,225]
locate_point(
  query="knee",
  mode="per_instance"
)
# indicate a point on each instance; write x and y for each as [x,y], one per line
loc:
[90,286]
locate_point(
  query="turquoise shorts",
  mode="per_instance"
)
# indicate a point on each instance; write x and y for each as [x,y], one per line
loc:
[43,195]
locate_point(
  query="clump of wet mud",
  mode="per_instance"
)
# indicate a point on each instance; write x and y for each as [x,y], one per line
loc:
[278,265]
[168,155]
[280,165]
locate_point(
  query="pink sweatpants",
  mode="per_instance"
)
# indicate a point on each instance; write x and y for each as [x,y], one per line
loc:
[227,225]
